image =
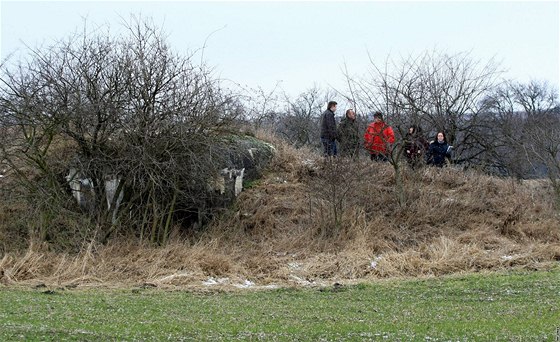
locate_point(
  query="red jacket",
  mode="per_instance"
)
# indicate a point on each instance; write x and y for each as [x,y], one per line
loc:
[378,138]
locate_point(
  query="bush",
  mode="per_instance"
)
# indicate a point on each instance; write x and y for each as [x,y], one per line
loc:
[125,110]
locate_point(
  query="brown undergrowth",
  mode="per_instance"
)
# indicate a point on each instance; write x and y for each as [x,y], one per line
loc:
[284,231]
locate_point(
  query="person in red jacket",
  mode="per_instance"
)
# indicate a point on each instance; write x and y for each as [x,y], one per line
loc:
[379,138]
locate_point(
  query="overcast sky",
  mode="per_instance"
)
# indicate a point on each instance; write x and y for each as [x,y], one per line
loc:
[260,43]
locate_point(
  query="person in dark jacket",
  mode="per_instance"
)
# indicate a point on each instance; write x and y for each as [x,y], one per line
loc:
[328,130]
[348,135]
[438,151]
[415,146]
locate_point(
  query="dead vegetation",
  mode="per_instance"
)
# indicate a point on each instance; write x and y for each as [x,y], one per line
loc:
[453,221]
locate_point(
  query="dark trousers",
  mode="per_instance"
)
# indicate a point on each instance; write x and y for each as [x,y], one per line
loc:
[329,147]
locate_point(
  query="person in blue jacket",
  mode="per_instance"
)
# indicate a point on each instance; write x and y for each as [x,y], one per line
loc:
[438,151]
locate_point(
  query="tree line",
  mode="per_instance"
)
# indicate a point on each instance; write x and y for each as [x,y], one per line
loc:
[499,126]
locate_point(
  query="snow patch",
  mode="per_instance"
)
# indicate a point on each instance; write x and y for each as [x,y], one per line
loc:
[213,281]
[173,276]
[373,263]
[245,284]
[294,266]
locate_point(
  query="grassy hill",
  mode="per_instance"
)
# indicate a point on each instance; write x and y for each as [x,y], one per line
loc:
[310,222]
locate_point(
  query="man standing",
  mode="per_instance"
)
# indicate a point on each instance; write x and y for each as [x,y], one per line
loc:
[379,138]
[328,130]
[348,136]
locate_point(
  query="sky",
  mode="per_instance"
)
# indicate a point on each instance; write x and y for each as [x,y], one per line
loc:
[297,45]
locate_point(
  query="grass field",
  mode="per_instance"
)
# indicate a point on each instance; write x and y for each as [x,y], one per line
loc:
[515,306]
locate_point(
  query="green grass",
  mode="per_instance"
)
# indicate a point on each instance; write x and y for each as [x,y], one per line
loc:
[516,306]
[251,184]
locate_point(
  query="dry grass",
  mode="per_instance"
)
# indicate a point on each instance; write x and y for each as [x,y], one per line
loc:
[453,221]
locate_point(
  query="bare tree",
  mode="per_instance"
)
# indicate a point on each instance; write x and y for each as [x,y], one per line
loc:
[436,90]
[295,119]
[537,98]
[125,110]
[512,107]
[299,124]
[439,91]
[544,147]
[262,107]
[525,136]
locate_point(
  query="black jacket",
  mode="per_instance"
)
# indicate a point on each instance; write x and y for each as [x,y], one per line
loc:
[328,125]
[437,152]
[415,146]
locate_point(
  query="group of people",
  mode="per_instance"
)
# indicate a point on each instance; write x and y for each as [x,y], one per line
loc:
[379,139]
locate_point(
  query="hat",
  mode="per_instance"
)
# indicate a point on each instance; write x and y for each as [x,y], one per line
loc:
[378,115]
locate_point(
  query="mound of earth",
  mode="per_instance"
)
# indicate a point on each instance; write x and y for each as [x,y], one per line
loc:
[314,222]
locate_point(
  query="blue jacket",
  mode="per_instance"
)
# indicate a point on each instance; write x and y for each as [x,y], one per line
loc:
[437,152]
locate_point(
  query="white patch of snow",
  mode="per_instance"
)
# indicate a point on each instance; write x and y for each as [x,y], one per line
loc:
[212,281]
[173,276]
[294,266]
[245,285]
[374,262]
